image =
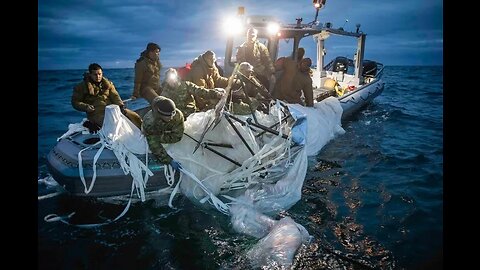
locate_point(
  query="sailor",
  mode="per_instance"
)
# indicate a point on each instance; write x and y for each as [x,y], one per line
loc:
[257,54]
[94,93]
[247,98]
[147,73]
[287,68]
[301,82]
[164,123]
[205,74]
[184,93]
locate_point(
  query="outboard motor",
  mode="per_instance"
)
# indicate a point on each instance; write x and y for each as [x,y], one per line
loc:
[369,68]
[340,64]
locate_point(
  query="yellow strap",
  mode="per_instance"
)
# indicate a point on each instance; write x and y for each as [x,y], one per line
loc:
[339,90]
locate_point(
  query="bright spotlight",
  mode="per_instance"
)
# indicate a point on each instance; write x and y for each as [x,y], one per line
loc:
[273,28]
[233,26]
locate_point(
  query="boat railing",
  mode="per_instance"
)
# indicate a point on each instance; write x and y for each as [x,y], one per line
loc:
[379,72]
[138,105]
[330,65]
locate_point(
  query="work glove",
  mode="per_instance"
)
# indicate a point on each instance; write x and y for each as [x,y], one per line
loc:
[175,165]
[92,127]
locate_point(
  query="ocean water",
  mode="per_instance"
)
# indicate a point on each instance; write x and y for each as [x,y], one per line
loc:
[372,198]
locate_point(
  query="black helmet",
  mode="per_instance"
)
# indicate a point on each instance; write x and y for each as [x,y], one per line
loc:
[163,106]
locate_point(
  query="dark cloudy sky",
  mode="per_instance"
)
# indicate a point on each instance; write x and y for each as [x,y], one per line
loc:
[73,34]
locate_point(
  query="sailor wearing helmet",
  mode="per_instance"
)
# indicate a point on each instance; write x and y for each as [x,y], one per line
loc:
[164,123]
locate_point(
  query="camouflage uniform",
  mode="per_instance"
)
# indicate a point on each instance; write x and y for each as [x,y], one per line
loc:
[158,132]
[99,96]
[147,77]
[254,88]
[255,93]
[242,108]
[257,55]
[184,96]
[208,77]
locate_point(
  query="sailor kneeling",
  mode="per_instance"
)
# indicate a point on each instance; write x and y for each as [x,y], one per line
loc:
[164,123]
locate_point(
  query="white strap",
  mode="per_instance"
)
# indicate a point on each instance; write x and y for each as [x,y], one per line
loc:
[80,166]
[64,219]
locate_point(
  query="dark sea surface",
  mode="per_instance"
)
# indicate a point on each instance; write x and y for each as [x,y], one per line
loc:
[372,198]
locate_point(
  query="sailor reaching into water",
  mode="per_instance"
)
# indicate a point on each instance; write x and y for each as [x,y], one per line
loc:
[164,123]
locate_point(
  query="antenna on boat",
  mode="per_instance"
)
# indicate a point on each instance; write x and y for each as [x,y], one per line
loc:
[358,27]
[346,20]
[318,4]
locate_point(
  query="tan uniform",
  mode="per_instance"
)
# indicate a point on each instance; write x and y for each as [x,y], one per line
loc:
[258,56]
[147,77]
[301,82]
[208,77]
[99,96]
[284,83]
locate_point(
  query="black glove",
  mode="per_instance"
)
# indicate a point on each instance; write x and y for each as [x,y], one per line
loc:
[123,110]
[92,127]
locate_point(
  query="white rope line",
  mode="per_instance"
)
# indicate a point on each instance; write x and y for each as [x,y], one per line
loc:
[80,166]
[50,195]
[219,205]
[65,218]
[72,128]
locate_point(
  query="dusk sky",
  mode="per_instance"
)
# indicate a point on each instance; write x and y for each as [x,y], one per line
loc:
[72,34]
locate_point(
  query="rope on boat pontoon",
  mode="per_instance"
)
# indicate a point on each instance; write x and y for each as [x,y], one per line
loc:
[134,165]
[129,163]
[64,219]
[94,165]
